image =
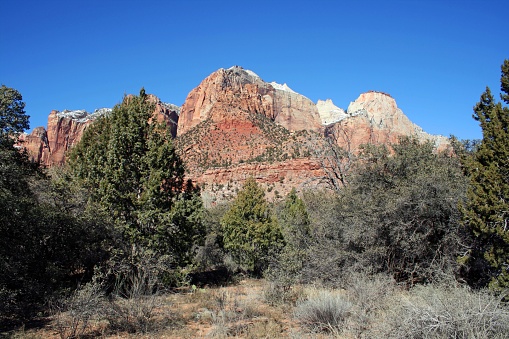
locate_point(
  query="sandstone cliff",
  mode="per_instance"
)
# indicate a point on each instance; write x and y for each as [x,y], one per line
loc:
[235,125]
[374,117]
[330,113]
[239,90]
[49,146]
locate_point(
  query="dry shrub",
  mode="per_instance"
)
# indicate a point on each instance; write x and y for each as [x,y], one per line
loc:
[437,311]
[368,294]
[132,306]
[235,313]
[73,315]
[277,294]
[325,311]
[264,329]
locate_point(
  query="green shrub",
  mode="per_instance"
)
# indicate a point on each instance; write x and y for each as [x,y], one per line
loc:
[398,215]
[251,233]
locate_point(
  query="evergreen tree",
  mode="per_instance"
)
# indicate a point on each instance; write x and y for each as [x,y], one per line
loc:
[486,213]
[295,227]
[12,109]
[44,248]
[250,231]
[129,165]
[294,221]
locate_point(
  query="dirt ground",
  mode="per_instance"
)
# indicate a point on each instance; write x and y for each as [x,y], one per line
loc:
[240,310]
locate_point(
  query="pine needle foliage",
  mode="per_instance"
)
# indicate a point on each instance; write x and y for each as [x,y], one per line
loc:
[129,165]
[486,212]
[250,231]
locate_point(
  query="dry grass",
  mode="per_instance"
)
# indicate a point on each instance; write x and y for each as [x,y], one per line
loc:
[368,308]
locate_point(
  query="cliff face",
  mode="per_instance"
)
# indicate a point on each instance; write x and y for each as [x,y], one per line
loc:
[239,90]
[234,125]
[49,146]
[330,113]
[374,117]
[37,144]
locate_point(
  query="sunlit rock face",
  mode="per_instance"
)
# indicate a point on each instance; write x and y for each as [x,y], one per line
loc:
[234,125]
[227,92]
[65,128]
[330,113]
[374,117]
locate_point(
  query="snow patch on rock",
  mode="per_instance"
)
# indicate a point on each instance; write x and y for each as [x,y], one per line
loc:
[81,115]
[171,107]
[251,73]
[283,87]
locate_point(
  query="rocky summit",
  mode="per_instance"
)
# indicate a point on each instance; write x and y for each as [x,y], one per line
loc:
[234,125]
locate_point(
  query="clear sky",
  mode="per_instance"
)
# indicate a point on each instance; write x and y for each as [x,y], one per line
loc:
[435,57]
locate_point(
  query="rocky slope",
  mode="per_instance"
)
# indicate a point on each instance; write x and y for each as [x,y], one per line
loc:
[235,125]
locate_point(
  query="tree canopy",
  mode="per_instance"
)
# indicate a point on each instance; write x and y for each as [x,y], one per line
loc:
[397,215]
[250,231]
[12,108]
[129,165]
[42,244]
[486,212]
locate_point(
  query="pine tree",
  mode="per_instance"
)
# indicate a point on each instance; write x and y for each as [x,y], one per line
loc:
[295,222]
[295,227]
[13,119]
[250,231]
[130,167]
[486,212]
[43,245]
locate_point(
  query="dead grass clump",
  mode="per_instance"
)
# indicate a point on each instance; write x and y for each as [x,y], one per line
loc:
[326,311]
[369,295]
[436,311]
[278,295]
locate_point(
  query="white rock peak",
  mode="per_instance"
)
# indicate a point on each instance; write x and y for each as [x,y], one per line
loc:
[330,113]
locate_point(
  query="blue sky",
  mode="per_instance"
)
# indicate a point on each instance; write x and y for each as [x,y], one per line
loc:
[434,57]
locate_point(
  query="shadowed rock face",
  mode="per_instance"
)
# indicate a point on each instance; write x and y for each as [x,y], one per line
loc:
[36,143]
[234,125]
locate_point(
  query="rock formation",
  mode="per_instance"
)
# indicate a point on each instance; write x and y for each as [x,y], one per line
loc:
[49,146]
[330,113]
[235,125]
[36,143]
[374,117]
[243,91]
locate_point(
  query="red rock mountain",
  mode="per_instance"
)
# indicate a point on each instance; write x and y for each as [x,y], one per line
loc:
[242,90]
[49,146]
[374,117]
[235,125]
